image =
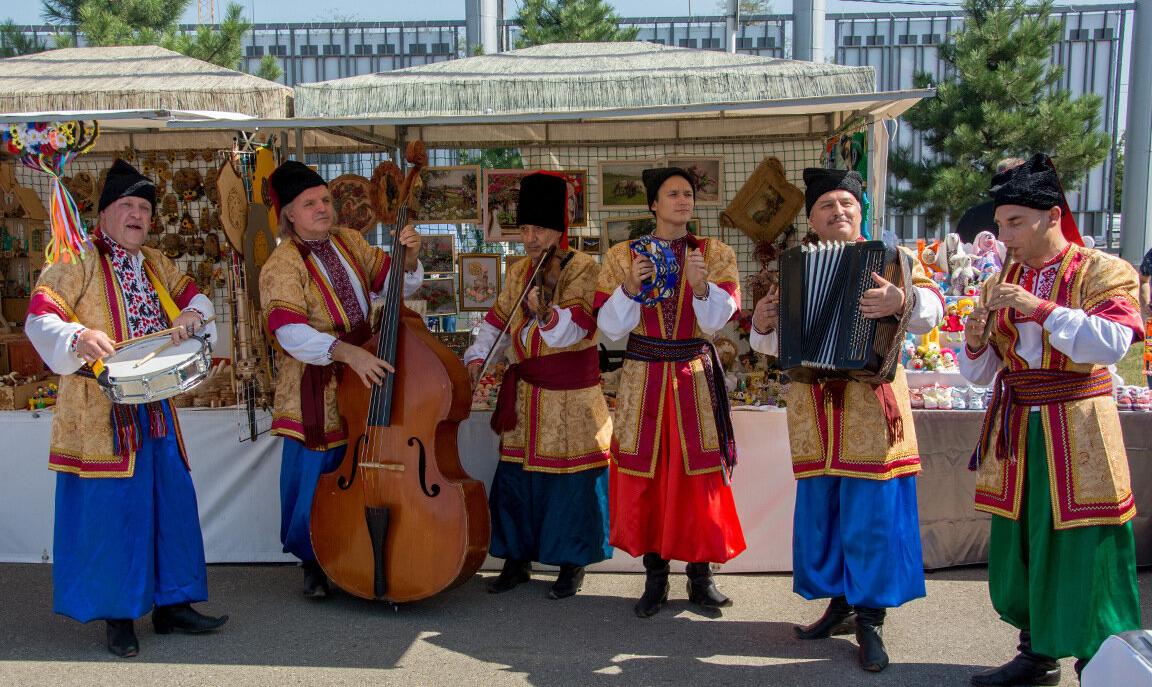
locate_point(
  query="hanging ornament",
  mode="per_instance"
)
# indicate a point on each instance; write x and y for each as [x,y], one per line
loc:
[48,147]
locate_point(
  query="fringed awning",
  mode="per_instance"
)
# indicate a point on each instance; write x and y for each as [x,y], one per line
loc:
[133,77]
[577,77]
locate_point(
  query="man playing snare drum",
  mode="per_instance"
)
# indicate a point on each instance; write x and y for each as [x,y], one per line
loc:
[127,537]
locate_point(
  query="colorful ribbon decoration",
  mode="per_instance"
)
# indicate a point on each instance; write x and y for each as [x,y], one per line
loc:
[667,270]
[48,147]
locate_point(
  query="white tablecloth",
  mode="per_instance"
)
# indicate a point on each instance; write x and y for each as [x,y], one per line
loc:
[237,487]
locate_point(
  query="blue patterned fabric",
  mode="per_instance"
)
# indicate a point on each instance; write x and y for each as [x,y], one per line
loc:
[551,518]
[857,538]
[123,545]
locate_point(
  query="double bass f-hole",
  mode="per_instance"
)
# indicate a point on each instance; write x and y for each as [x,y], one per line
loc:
[345,482]
[435,490]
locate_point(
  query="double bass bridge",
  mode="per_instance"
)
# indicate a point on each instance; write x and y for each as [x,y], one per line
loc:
[431,491]
[396,467]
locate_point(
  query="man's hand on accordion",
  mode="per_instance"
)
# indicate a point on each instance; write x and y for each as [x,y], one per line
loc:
[884,300]
[765,317]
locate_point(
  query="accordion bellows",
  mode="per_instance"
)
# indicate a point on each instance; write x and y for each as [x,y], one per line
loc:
[821,326]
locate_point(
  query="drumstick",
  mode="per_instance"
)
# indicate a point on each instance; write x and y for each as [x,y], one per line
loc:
[166,346]
[984,336]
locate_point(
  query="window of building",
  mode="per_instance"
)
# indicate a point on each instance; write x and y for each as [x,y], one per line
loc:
[278,50]
[744,44]
[418,49]
[657,41]
[1105,34]
[852,40]
[906,39]
[331,49]
[441,48]
[309,50]
[254,51]
[711,44]
[385,49]
[1079,34]
[362,49]
[875,40]
[930,39]
[688,43]
[766,42]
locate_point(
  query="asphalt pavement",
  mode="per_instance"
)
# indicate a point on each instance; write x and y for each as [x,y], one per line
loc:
[467,636]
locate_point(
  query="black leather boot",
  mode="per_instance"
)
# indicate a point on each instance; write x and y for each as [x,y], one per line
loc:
[184,618]
[838,619]
[514,572]
[315,581]
[1028,668]
[702,589]
[122,638]
[567,582]
[870,637]
[655,586]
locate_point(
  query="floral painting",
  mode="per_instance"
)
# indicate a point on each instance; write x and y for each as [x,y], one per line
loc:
[438,253]
[479,280]
[502,192]
[707,172]
[449,194]
[439,294]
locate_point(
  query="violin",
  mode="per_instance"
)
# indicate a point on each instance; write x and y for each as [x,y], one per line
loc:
[546,277]
[399,519]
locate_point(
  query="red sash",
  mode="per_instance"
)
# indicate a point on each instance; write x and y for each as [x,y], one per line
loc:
[565,371]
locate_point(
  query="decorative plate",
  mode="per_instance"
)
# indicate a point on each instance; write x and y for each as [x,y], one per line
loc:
[350,198]
[384,191]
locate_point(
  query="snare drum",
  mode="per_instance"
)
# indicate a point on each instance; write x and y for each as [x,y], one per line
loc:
[173,371]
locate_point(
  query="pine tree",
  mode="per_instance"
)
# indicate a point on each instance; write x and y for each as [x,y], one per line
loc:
[1001,99]
[14,42]
[569,21]
[155,22]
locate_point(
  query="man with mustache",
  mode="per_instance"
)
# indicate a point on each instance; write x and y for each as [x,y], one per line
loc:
[856,537]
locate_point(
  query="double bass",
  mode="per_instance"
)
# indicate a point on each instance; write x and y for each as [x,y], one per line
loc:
[399,519]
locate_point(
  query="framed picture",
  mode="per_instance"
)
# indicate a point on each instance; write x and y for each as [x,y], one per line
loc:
[617,229]
[707,172]
[439,294]
[502,192]
[479,280]
[457,342]
[621,185]
[593,245]
[449,194]
[438,253]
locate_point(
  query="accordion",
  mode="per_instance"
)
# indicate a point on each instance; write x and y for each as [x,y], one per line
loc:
[821,326]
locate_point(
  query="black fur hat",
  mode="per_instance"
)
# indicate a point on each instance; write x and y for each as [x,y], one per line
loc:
[123,180]
[543,201]
[290,180]
[1033,184]
[820,180]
